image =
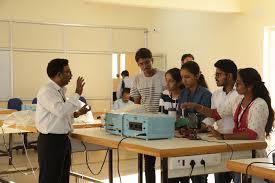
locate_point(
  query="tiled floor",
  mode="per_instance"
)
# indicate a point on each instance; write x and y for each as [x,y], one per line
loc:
[128,167]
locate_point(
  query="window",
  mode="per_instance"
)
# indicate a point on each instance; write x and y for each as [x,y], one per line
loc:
[118,64]
[269,61]
[122,62]
[268,72]
[114,65]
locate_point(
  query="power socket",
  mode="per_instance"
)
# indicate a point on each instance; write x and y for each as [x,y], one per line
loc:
[184,161]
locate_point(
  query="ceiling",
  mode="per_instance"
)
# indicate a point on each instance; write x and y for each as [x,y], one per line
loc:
[226,6]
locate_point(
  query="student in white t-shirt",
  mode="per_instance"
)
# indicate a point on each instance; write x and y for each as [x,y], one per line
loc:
[124,101]
[146,90]
[169,97]
[225,76]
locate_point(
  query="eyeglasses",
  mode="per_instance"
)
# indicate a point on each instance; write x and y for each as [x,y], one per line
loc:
[219,74]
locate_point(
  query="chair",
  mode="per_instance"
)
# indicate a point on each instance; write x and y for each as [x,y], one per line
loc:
[34,101]
[16,103]
[82,99]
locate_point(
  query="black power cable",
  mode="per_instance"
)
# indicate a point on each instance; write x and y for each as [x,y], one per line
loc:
[118,170]
[258,162]
[270,152]
[203,163]
[192,164]
[87,161]
[221,142]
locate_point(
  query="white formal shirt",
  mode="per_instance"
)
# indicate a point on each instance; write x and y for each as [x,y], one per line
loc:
[54,114]
[219,100]
[128,84]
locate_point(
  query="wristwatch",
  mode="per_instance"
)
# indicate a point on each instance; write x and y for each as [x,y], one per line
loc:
[222,135]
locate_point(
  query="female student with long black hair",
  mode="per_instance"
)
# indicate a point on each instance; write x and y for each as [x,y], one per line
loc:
[169,97]
[195,91]
[195,87]
[252,111]
[168,103]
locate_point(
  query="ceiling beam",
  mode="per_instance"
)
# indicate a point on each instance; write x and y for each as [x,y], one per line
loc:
[226,6]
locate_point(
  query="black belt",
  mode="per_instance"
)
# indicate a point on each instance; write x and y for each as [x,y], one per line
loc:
[53,134]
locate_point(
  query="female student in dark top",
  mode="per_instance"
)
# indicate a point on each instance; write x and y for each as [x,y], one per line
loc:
[169,97]
[195,91]
[195,86]
[187,58]
[168,103]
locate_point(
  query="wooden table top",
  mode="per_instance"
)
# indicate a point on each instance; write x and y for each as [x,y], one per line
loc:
[32,128]
[9,129]
[265,171]
[168,147]
[7,111]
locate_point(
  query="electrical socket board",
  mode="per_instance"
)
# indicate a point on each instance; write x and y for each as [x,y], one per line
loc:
[184,161]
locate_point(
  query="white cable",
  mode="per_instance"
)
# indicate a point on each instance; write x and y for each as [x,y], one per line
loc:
[24,145]
[6,147]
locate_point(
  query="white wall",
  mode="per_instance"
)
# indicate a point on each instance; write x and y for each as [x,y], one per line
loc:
[73,11]
[249,30]
[206,35]
[209,36]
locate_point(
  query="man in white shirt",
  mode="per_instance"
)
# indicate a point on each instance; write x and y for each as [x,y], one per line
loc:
[54,117]
[126,82]
[226,75]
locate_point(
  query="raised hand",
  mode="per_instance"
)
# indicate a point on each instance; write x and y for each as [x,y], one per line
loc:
[79,85]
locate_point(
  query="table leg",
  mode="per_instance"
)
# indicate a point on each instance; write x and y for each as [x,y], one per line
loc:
[164,170]
[10,148]
[246,178]
[140,168]
[110,165]
[253,153]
